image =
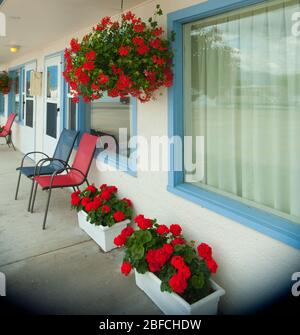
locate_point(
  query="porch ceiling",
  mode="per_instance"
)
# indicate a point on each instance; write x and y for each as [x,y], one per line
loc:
[40,22]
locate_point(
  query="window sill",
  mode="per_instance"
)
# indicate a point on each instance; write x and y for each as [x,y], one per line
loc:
[119,162]
[265,223]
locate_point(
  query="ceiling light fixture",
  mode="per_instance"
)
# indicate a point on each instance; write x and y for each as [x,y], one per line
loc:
[14,49]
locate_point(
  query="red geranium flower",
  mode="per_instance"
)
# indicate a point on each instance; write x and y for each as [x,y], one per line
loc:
[155,43]
[75,46]
[123,82]
[127,232]
[178,283]
[143,49]
[120,240]
[212,265]
[177,241]
[157,31]
[103,79]
[185,272]
[204,251]
[105,21]
[105,195]
[139,28]
[124,50]
[89,66]
[119,216]
[75,201]
[105,209]
[175,229]
[177,262]
[91,188]
[90,56]
[168,249]
[162,229]
[142,222]
[138,40]
[126,268]
[84,78]
[85,201]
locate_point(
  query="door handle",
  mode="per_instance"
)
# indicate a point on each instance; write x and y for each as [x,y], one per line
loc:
[58,109]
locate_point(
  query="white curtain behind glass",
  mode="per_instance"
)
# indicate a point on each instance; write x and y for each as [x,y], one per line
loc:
[242,93]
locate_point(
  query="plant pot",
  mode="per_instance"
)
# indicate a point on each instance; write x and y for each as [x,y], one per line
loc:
[103,236]
[172,303]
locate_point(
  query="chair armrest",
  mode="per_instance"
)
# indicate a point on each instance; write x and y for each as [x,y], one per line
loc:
[42,162]
[74,169]
[30,153]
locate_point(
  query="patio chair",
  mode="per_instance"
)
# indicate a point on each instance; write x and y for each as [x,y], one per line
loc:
[6,133]
[58,163]
[75,175]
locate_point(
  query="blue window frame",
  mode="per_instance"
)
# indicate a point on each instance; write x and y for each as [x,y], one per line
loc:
[15,95]
[274,226]
[1,104]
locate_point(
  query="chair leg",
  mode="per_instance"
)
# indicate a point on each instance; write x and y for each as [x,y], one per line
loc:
[7,142]
[18,185]
[31,193]
[12,143]
[34,196]
[47,208]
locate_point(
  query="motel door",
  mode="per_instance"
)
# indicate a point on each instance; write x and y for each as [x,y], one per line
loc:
[52,104]
[29,110]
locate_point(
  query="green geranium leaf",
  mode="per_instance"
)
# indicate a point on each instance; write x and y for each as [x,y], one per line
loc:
[198,281]
[137,251]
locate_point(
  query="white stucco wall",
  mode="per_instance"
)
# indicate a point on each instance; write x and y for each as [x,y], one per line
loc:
[252,266]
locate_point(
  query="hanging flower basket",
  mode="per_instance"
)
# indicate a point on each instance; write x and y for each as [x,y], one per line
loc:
[124,58]
[175,275]
[5,82]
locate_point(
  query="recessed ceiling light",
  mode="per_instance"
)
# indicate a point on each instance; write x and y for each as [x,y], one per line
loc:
[14,49]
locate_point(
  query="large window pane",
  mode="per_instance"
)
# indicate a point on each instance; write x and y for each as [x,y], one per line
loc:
[52,83]
[108,115]
[29,113]
[241,95]
[51,119]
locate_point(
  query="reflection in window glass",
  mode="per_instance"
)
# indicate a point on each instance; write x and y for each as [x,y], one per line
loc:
[52,82]
[108,115]
[28,74]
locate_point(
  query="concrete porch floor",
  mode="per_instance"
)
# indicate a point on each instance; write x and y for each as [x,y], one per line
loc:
[60,270]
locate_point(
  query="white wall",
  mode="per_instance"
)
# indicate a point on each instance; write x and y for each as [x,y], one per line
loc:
[252,266]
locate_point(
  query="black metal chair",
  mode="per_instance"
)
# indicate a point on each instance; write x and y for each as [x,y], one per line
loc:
[57,164]
[75,175]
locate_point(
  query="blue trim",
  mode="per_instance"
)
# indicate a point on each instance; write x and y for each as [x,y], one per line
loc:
[271,225]
[11,94]
[20,120]
[2,104]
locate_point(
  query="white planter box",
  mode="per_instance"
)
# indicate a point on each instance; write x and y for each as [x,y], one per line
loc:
[103,236]
[172,303]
